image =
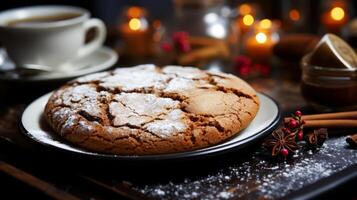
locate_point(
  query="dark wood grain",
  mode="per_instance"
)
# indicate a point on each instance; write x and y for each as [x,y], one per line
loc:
[35,182]
[123,189]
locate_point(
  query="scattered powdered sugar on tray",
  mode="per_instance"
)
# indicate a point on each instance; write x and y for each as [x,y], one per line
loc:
[260,176]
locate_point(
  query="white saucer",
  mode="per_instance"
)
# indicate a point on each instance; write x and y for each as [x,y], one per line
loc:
[99,60]
[268,117]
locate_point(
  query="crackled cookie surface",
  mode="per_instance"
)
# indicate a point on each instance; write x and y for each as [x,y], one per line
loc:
[150,110]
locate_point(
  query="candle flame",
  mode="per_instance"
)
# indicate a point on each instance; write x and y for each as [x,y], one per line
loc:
[337,13]
[248,20]
[261,38]
[265,23]
[245,9]
[134,24]
[294,15]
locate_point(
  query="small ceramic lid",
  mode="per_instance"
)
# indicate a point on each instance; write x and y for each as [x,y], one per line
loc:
[333,52]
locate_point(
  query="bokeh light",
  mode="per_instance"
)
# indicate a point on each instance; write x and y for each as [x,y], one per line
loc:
[134,24]
[248,20]
[294,15]
[265,23]
[261,38]
[245,9]
[337,13]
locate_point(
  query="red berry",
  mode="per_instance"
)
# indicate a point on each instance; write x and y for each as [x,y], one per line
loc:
[180,36]
[303,122]
[167,47]
[245,70]
[298,113]
[184,46]
[300,135]
[293,123]
[242,61]
[284,152]
[286,130]
[263,69]
[181,41]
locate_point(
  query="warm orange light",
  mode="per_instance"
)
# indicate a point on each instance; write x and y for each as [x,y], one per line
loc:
[245,9]
[261,38]
[134,24]
[135,12]
[337,13]
[265,23]
[156,24]
[248,20]
[294,15]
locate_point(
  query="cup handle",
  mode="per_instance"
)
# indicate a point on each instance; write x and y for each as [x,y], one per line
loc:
[98,41]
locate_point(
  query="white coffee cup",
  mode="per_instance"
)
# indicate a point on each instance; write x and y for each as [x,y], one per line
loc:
[51,43]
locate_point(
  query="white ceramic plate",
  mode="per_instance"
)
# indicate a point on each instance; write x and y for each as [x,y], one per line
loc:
[99,60]
[267,119]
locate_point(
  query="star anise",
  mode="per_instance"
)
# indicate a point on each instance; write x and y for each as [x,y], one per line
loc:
[280,142]
[316,137]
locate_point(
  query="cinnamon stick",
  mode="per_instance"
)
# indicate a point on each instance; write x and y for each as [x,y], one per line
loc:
[338,115]
[204,41]
[204,53]
[352,140]
[331,123]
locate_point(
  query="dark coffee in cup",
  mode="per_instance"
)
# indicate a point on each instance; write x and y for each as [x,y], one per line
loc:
[42,19]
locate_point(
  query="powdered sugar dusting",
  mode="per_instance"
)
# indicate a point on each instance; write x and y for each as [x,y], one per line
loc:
[258,176]
[185,72]
[137,109]
[179,85]
[123,115]
[62,113]
[92,77]
[80,93]
[146,104]
[184,85]
[83,97]
[139,77]
[170,125]
[128,81]
[145,67]
[69,123]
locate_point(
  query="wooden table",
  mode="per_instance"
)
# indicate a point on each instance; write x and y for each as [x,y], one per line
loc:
[30,169]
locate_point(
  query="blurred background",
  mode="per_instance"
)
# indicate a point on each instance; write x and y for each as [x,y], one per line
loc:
[110,10]
[244,37]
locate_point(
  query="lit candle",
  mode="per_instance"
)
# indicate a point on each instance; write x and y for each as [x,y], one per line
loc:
[136,33]
[246,17]
[334,19]
[259,45]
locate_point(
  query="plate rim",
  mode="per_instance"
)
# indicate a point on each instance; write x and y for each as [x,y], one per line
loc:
[188,155]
